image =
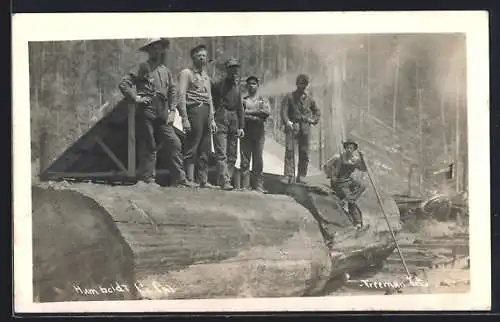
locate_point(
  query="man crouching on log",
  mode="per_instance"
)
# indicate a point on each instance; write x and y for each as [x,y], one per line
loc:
[339,169]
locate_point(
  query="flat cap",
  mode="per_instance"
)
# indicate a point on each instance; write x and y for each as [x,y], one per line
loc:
[252,78]
[231,62]
[349,142]
[165,42]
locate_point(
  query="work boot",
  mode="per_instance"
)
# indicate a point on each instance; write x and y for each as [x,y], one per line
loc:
[291,180]
[259,185]
[226,186]
[204,185]
[147,180]
[185,183]
[245,181]
[236,181]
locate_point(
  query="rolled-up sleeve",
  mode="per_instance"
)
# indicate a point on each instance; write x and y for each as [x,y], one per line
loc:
[284,110]
[181,92]
[127,84]
[171,92]
[241,112]
[316,114]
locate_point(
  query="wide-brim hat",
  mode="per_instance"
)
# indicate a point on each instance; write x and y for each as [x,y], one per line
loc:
[165,42]
[349,142]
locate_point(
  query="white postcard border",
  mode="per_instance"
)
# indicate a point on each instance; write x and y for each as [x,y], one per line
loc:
[42,27]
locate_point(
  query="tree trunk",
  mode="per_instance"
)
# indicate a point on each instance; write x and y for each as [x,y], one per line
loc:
[443,124]
[261,55]
[420,140]
[368,82]
[395,100]
[457,134]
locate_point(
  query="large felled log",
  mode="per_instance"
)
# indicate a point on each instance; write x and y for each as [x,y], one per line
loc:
[205,243]
[78,253]
[352,251]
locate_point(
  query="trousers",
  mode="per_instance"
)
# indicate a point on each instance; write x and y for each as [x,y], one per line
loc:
[197,146]
[252,148]
[349,190]
[226,145]
[294,139]
[153,132]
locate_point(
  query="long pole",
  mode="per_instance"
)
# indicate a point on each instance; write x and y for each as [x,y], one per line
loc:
[379,199]
[320,143]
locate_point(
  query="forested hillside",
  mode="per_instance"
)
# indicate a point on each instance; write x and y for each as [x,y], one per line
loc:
[403,97]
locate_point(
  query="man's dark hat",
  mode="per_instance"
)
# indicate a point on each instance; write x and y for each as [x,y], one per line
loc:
[231,62]
[165,42]
[197,48]
[252,78]
[348,142]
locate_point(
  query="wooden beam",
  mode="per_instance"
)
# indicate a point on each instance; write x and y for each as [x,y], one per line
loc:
[131,141]
[44,156]
[110,153]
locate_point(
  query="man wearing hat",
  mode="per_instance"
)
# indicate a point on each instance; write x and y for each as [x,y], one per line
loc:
[257,110]
[343,185]
[151,86]
[298,112]
[229,117]
[197,113]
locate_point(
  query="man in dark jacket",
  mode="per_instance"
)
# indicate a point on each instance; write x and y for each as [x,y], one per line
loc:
[229,118]
[151,87]
[257,110]
[298,113]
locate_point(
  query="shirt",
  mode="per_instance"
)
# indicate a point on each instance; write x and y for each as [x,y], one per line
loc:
[341,167]
[150,82]
[227,97]
[256,108]
[299,107]
[194,89]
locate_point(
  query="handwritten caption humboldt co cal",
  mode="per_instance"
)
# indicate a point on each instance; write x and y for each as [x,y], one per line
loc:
[117,287]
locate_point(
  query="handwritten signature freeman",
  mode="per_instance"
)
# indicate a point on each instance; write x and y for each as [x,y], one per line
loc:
[415,282]
[123,288]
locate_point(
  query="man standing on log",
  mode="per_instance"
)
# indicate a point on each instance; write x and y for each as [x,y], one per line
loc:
[298,113]
[229,117]
[256,110]
[197,113]
[339,169]
[154,96]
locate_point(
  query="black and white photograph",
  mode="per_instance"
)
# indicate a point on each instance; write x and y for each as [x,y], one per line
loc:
[260,165]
